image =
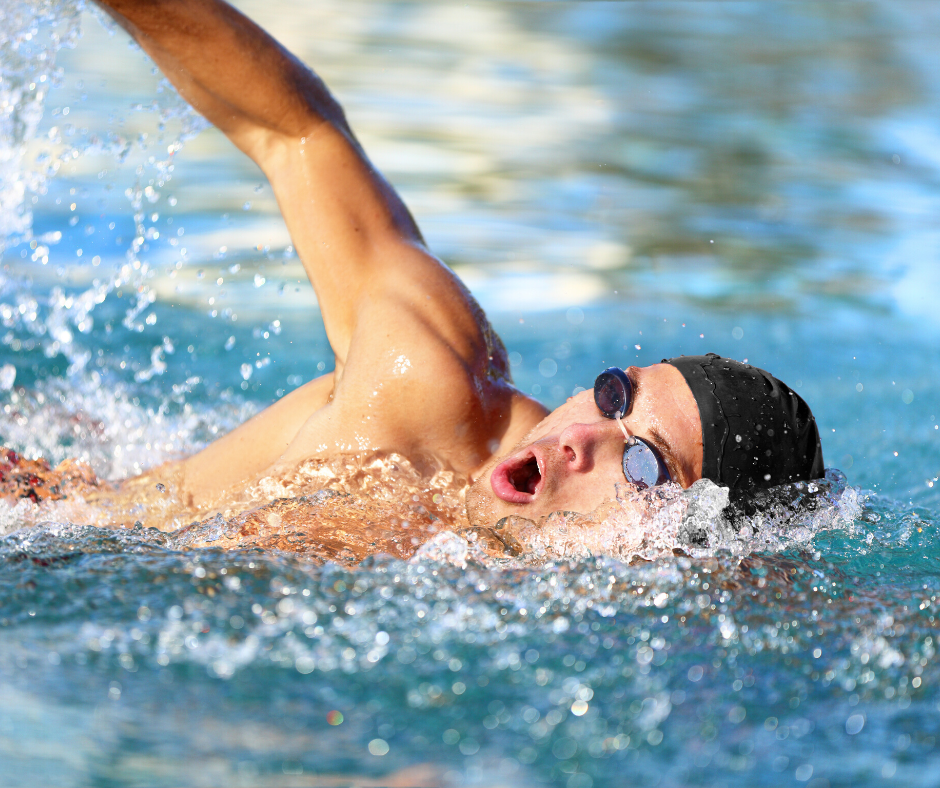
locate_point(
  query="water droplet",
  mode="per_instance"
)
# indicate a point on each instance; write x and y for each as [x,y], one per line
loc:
[548,367]
[7,377]
[334,717]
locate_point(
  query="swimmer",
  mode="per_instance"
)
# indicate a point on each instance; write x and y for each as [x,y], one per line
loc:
[419,370]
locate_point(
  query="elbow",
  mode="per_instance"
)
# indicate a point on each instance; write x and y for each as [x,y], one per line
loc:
[284,147]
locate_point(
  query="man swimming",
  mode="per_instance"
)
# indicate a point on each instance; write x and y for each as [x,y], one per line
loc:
[418,369]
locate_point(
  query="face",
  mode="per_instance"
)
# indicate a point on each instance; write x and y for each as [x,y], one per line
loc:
[572,459]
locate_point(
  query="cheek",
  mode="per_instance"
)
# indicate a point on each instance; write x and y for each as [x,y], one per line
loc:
[586,492]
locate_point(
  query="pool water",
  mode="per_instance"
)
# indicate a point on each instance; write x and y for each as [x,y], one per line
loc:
[617,182]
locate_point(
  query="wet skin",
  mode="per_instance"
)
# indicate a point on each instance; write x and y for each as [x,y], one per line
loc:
[418,369]
[571,460]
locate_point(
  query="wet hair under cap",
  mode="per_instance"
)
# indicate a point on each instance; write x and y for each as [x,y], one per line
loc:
[756,431]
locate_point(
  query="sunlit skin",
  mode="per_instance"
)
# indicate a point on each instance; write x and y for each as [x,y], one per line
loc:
[419,371]
[572,459]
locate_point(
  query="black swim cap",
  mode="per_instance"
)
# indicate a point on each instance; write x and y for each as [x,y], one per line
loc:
[756,431]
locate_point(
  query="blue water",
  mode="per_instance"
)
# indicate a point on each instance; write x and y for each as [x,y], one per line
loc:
[617,182]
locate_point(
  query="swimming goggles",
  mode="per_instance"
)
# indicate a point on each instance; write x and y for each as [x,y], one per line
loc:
[642,465]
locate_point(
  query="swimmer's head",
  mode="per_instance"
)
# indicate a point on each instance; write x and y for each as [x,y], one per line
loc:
[756,431]
[691,410]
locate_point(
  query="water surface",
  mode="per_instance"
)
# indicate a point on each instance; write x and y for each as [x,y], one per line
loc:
[617,182]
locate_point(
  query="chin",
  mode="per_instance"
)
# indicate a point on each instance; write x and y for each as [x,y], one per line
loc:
[482,509]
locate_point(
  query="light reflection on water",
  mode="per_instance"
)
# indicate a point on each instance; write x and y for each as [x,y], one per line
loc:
[608,139]
[754,179]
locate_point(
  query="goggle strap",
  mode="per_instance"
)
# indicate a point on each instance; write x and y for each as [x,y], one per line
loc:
[623,429]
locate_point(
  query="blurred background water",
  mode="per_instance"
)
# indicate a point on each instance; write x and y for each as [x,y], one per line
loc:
[617,182]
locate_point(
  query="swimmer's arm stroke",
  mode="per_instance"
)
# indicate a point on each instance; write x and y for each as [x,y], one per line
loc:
[418,368]
[361,248]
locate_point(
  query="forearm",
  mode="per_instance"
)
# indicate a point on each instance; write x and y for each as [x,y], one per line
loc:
[229,69]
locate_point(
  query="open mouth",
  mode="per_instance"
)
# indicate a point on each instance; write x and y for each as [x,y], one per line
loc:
[517,479]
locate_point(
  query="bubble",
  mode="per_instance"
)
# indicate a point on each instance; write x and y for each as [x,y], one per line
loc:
[803,772]
[854,724]
[468,747]
[565,748]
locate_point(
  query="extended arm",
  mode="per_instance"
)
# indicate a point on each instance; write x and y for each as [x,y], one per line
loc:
[418,369]
[349,227]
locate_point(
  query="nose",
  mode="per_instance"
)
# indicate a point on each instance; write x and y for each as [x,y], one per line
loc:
[580,443]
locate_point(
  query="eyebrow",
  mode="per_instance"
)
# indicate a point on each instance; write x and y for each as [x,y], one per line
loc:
[659,441]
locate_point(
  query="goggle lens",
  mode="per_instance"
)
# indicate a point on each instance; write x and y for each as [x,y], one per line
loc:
[642,465]
[613,393]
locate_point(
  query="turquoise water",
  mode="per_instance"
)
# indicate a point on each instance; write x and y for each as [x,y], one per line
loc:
[616,182]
